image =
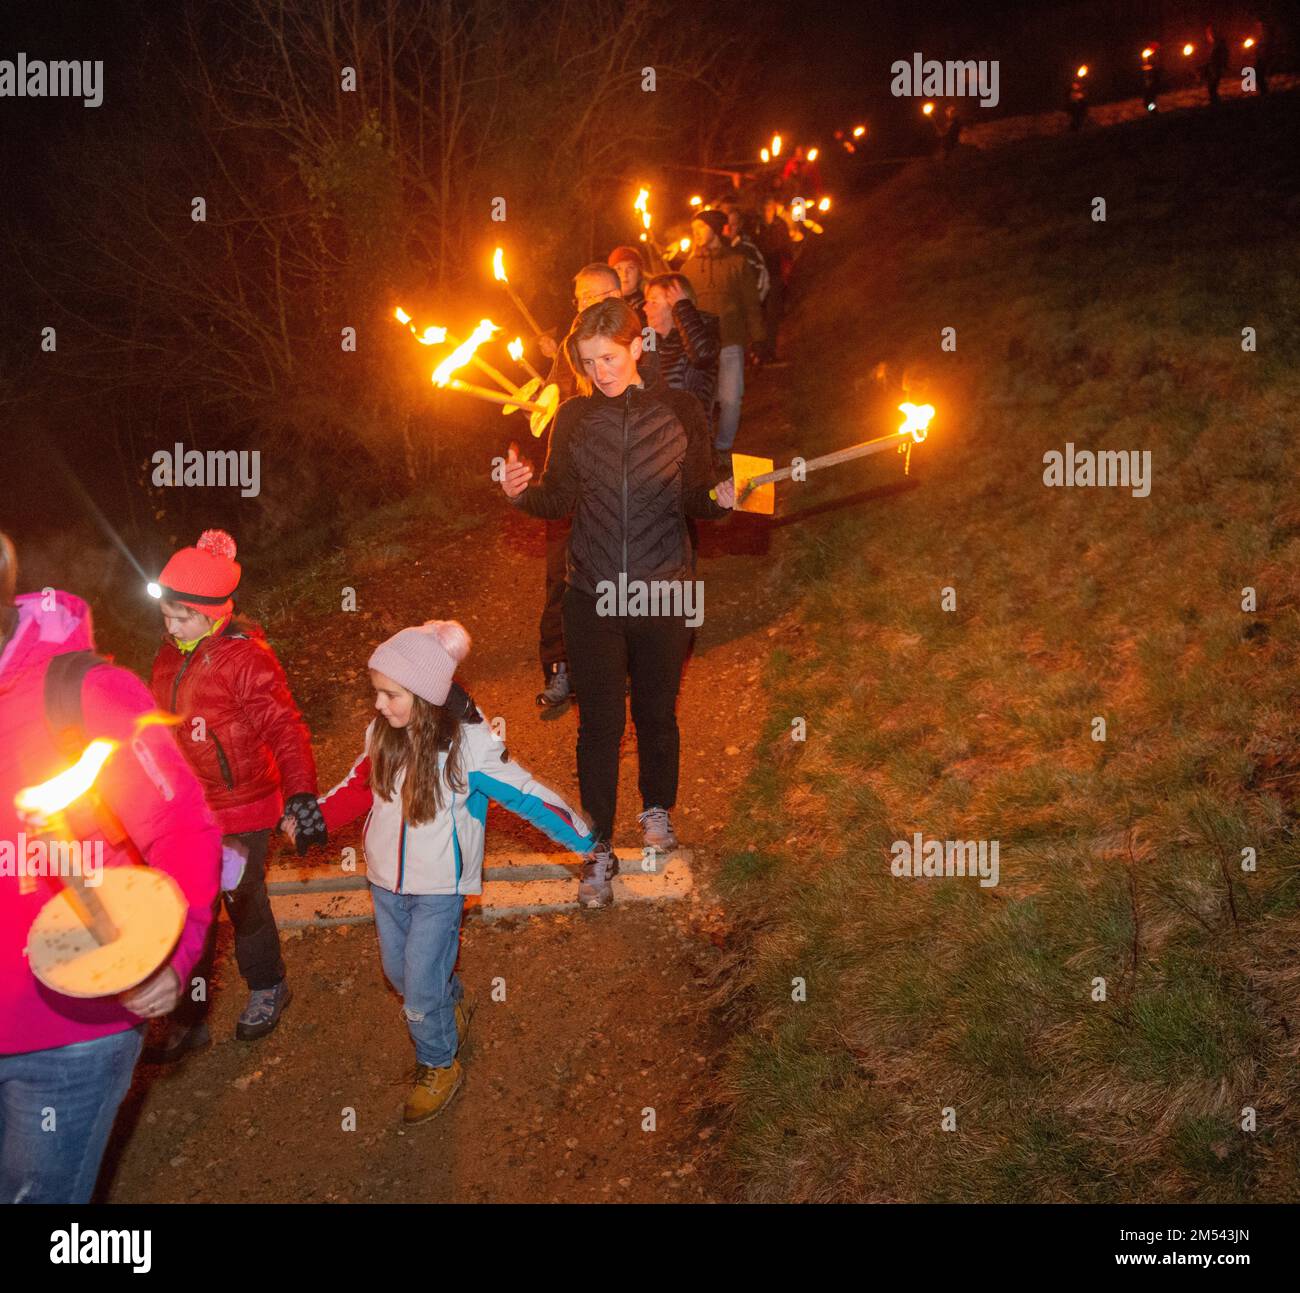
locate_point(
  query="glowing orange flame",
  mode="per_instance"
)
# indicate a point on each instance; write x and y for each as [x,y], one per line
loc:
[916,420]
[1083,70]
[59,791]
[499,266]
[813,153]
[764,155]
[859,131]
[1188,49]
[464,352]
[685,244]
[640,205]
[516,349]
[1248,43]
[1146,53]
[696,200]
[776,145]
[928,109]
[824,204]
[431,336]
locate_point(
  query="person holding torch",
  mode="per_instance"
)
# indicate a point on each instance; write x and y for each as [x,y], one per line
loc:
[66,1062]
[629,461]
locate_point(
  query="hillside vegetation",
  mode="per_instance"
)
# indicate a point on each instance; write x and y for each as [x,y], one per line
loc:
[1120,859]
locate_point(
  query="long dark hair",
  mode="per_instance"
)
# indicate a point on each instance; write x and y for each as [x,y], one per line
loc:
[415,748]
[614,319]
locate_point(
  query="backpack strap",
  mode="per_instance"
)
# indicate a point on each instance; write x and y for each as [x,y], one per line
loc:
[63,680]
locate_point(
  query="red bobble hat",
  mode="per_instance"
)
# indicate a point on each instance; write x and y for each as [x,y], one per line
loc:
[625,253]
[203,577]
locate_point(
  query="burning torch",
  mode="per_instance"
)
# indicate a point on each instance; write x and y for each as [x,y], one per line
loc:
[96,941]
[754,478]
[499,273]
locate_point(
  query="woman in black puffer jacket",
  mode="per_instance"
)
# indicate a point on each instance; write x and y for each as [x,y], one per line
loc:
[630,461]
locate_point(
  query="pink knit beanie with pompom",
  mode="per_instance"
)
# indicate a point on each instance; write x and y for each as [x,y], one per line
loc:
[424,659]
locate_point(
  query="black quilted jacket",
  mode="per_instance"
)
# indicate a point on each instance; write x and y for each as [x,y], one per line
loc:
[630,471]
[688,355]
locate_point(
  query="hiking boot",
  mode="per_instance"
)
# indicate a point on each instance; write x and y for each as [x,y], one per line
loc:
[179,1039]
[431,1091]
[598,871]
[558,688]
[265,1006]
[658,830]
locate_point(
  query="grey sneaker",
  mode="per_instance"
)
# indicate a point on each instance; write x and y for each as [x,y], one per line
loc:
[658,829]
[558,688]
[265,1006]
[598,870]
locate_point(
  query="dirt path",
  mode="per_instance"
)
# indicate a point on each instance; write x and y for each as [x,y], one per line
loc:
[601,1020]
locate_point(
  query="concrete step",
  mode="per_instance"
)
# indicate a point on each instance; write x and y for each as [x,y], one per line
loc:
[514,884]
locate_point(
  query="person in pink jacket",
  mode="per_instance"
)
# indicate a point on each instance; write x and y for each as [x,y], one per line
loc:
[66,1063]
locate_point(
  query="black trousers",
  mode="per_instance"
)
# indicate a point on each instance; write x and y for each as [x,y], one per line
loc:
[552,625]
[257,940]
[605,652]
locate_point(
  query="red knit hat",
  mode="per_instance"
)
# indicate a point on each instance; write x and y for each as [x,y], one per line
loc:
[203,577]
[625,253]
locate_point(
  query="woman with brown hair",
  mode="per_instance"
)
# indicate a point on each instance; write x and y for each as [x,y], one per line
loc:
[630,461]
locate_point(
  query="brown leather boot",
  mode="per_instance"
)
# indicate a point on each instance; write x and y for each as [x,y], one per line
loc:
[431,1092]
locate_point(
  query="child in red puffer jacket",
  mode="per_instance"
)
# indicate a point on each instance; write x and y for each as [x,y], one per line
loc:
[247,743]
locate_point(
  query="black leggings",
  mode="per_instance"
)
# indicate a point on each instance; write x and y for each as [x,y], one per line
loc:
[257,940]
[606,651]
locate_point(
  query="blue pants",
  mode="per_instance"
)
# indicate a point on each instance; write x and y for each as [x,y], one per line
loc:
[731,387]
[419,937]
[56,1109]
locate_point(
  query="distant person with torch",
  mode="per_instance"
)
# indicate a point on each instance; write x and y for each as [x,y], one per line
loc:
[629,461]
[725,285]
[243,736]
[66,1062]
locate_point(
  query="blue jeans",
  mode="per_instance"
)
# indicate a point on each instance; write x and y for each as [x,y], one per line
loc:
[419,938]
[56,1109]
[731,387]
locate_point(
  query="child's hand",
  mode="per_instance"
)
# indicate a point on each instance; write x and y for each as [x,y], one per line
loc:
[517,474]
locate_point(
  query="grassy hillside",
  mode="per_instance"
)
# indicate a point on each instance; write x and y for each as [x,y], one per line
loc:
[1120,859]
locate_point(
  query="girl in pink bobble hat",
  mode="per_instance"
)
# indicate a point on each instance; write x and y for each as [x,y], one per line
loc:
[429,767]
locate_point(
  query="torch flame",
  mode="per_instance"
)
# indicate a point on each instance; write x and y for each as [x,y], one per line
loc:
[824,204]
[401,315]
[685,244]
[640,205]
[1248,43]
[1146,53]
[432,336]
[1187,49]
[764,155]
[498,266]
[464,352]
[859,131]
[59,791]
[516,349]
[916,420]
[1083,70]
[696,200]
[776,145]
[813,153]
[928,109]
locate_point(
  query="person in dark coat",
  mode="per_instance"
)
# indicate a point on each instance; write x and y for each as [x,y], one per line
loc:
[687,340]
[629,461]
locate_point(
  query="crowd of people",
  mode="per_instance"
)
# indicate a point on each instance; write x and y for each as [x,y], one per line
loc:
[652,373]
